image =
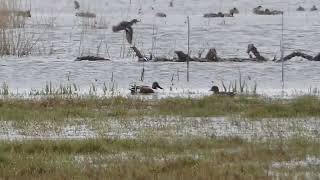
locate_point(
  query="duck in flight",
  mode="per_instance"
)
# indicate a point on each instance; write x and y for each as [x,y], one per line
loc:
[126,26]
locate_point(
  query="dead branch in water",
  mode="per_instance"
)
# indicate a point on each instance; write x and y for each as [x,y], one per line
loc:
[212,56]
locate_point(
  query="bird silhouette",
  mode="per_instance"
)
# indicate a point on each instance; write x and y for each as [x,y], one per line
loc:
[126,26]
[76,5]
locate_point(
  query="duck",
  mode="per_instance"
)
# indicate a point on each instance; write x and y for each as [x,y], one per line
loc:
[145,89]
[300,8]
[314,8]
[76,5]
[182,57]
[234,11]
[216,91]
[126,26]
[161,14]
[260,11]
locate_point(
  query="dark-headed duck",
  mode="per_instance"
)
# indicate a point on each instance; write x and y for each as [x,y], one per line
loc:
[145,89]
[216,91]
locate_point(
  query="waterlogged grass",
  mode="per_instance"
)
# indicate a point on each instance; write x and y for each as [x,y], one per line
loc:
[244,106]
[150,158]
[59,108]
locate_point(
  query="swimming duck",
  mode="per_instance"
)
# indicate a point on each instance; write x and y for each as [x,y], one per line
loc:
[300,8]
[126,26]
[145,89]
[216,91]
[260,11]
[314,8]
[182,57]
[234,11]
[161,14]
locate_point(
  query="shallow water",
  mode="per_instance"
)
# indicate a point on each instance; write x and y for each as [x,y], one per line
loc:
[61,37]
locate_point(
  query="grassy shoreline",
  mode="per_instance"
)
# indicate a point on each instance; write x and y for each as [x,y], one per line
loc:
[229,158]
[153,155]
[61,108]
[150,159]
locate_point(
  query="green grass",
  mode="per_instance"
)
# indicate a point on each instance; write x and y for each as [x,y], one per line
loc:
[59,109]
[149,158]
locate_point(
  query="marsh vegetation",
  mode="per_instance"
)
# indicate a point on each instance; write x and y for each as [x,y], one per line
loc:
[66,119]
[228,158]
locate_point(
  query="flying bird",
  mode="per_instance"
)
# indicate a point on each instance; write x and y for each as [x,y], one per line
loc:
[76,5]
[126,26]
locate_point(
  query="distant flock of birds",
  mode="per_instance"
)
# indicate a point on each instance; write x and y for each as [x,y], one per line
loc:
[126,25]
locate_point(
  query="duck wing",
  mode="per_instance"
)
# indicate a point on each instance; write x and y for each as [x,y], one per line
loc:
[117,28]
[129,33]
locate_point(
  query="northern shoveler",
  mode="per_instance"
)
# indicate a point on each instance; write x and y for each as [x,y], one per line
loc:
[126,26]
[145,89]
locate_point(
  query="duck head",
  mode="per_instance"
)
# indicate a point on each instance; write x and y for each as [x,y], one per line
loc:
[250,48]
[267,11]
[155,85]
[133,21]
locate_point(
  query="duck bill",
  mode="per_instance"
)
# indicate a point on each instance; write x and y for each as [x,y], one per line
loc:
[159,87]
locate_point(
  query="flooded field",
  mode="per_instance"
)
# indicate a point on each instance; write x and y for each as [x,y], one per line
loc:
[164,127]
[67,119]
[59,37]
